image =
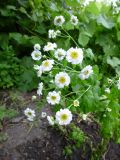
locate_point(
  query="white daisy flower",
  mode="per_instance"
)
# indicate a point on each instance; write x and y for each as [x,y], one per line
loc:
[30,114]
[53,98]
[37,47]
[86,72]
[34,97]
[50,46]
[109,80]
[107,90]
[74,55]
[63,117]
[74,20]
[47,65]
[36,55]
[84,117]
[62,79]
[40,88]
[53,34]
[60,54]
[40,71]
[51,120]
[76,103]
[59,20]
[43,114]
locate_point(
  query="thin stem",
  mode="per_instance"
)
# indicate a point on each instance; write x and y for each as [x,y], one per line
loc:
[80,96]
[71,37]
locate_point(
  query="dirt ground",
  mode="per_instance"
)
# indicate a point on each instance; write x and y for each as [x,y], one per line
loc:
[39,141]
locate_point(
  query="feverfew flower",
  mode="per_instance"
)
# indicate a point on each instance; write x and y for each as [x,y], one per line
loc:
[74,20]
[50,46]
[75,55]
[34,97]
[84,117]
[37,47]
[53,98]
[86,72]
[60,54]
[63,117]
[36,55]
[62,79]
[51,120]
[43,114]
[30,114]
[47,65]
[59,20]
[40,71]
[53,34]
[109,80]
[40,88]
[76,103]
[107,90]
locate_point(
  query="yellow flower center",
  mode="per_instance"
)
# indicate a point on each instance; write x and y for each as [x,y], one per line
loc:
[64,117]
[46,64]
[53,98]
[86,72]
[62,79]
[49,45]
[29,113]
[37,55]
[74,55]
[58,20]
[60,54]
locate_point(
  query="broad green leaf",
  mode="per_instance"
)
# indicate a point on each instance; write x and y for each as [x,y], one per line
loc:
[94,8]
[105,21]
[114,62]
[83,39]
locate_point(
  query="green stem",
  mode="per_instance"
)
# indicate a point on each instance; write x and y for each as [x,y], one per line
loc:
[71,38]
[80,96]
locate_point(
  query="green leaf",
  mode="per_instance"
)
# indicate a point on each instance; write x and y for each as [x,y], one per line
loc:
[94,8]
[118,35]
[105,21]
[114,62]
[89,53]
[83,39]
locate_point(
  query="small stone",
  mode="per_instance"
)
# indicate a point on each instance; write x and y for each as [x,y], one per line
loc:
[17,119]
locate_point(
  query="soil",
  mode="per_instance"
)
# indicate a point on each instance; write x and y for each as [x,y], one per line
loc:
[41,142]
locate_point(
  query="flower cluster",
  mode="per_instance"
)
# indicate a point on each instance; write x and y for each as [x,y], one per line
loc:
[59,20]
[51,64]
[53,34]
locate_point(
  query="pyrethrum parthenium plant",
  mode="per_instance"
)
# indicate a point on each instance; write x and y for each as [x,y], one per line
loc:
[70,82]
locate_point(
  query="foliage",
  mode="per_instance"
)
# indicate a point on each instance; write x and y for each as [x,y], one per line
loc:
[26,23]
[6,113]
[97,33]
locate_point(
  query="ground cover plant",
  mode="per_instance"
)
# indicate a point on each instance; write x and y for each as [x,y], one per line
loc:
[75,60]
